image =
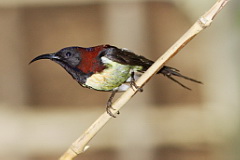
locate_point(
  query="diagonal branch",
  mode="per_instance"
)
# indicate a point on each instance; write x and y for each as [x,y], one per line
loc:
[80,145]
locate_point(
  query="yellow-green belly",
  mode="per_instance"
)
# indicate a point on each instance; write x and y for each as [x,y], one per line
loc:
[113,76]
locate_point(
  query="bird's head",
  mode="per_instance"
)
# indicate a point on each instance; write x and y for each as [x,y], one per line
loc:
[77,61]
[67,56]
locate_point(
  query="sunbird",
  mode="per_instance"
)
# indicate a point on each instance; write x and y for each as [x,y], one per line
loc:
[107,68]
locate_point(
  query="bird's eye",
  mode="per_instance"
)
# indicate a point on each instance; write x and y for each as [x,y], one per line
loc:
[68,54]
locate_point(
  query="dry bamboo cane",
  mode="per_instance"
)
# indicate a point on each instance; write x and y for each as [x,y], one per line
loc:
[81,144]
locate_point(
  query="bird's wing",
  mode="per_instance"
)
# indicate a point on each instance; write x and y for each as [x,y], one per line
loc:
[124,56]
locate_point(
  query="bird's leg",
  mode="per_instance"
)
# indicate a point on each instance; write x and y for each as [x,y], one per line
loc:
[133,84]
[109,104]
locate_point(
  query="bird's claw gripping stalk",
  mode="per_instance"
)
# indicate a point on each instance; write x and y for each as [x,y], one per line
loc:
[109,105]
[133,85]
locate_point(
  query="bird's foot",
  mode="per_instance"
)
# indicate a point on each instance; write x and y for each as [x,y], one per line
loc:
[133,83]
[109,105]
[135,86]
[110,108]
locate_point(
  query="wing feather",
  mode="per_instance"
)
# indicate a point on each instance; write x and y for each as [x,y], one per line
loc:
[125,56]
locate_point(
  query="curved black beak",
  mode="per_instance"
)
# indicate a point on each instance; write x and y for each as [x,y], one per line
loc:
[44,56]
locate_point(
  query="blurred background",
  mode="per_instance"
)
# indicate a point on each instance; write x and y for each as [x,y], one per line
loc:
[42,110]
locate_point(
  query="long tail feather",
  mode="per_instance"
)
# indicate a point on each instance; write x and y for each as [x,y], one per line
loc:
[170,71]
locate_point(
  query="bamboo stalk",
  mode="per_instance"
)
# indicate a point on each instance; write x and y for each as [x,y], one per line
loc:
[81,144]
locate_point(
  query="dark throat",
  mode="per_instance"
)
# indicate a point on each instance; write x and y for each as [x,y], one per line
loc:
[76,74]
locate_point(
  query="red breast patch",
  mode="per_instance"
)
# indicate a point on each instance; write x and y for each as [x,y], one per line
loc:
[90,61]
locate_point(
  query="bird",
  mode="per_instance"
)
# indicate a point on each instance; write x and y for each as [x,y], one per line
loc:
[107,68]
